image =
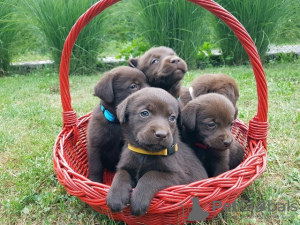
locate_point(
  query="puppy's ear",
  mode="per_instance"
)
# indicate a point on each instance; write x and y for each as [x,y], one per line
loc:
[188,116]
[122,111]
[104,88]
[133,62]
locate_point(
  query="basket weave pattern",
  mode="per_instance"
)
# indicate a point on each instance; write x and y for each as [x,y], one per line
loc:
[70,149]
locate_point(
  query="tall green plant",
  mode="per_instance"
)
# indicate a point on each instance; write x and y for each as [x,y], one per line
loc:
[289,25]
[177,24]
[259,17]
[119,25]
[8,33]
[55,18]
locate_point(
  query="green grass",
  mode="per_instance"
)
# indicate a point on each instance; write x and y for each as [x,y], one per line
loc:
[30,114]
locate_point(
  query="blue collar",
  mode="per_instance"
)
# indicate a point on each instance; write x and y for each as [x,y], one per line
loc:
[108,115]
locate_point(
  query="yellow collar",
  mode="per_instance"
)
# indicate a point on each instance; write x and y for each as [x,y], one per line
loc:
[165,152]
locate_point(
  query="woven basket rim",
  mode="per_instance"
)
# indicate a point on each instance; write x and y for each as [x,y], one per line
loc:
[79,185]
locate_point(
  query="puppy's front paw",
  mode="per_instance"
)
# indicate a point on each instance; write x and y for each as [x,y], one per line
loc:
[117,201]
[139,206]
[138,209]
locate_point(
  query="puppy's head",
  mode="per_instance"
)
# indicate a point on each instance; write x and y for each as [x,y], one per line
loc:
[119,83]
[148,118]
[217,83]
[209,119]
[161,65]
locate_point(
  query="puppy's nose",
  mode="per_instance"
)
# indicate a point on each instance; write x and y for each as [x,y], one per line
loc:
[161,134]
[227,143]
[175,60]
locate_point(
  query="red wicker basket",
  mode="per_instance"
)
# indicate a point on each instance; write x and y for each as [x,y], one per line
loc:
[70,150]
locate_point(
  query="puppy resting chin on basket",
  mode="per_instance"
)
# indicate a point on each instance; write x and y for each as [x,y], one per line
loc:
[153,157]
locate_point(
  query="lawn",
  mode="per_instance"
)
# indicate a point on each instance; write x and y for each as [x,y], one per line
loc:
[30,114]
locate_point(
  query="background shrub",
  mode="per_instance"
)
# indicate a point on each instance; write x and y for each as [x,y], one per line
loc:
[55,18]
[289,24]
[8,33]
[32,29]
[118,24]
[176,24]
[260,18]
[134,49]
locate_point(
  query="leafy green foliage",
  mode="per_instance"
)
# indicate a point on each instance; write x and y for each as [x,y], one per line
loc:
[205,56]
[205,52]
[284,57]
[134,49]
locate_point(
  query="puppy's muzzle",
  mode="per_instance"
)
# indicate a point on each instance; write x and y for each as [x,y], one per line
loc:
[161,134]
[175,60]
[227,142]
[156,137]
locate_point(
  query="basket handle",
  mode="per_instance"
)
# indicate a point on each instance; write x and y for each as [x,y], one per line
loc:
[69,115]
[259,120]
[249,46]
[258,125]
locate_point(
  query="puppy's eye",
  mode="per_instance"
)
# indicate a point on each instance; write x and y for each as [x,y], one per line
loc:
[172,118]
[211,125]
[155,61]
[232,123]
[133,86]
[144,113]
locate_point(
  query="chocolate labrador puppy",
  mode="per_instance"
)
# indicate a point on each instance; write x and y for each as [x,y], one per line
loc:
[211,83]
[163,68]
[153,157]
[104,134]
[207,122]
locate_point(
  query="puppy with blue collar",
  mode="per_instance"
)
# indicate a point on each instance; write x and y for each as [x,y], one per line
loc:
[104,135]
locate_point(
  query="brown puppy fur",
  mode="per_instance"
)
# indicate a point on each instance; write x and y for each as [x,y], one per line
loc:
[150,123]
[104,138]
[207,120]
[212,83]
[163,68]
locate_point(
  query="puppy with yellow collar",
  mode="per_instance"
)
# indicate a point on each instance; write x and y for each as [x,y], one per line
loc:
[153,157]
